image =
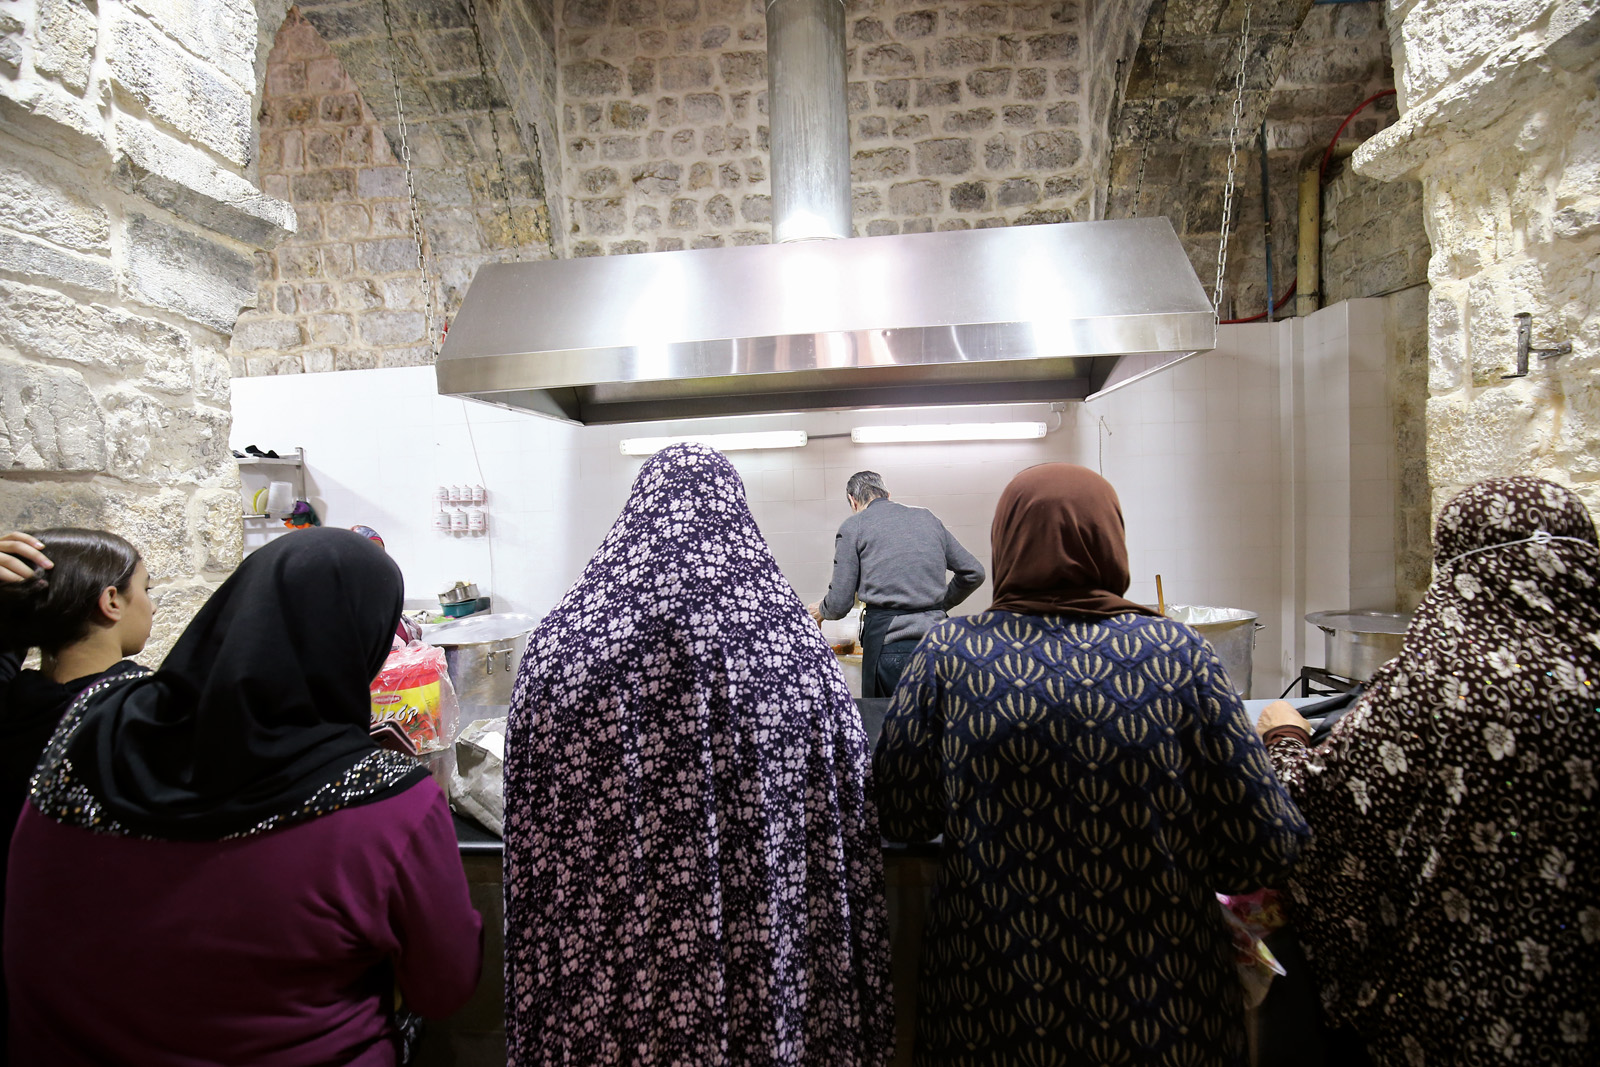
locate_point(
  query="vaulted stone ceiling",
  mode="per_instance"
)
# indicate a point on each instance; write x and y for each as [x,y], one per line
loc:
[988,112]
[1305,69]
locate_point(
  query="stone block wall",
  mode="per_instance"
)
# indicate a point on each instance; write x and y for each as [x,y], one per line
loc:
[1501,123]
[346,292]
[128,218]
[961,116]
[477,206]
[1374,241]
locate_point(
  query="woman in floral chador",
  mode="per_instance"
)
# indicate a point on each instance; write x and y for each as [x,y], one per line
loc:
[693,873]
[1450,898]
[1096,782]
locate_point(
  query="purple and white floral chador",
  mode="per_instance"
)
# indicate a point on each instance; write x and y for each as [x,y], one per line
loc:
[693,874]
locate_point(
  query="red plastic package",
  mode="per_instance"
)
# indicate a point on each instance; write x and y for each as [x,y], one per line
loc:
[413,690]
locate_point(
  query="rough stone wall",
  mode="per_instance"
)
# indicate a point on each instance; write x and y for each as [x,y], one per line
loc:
[128,217]
[345,293]
[472,211]
[969,115]
[1373,238]
[1501,123]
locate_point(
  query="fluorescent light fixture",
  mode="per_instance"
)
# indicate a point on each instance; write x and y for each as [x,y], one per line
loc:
[722,442]
[950,431]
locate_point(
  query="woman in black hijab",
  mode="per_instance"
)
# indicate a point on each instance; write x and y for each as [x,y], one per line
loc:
[243,868]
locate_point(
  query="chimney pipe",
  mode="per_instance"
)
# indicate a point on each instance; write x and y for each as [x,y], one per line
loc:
[808,120]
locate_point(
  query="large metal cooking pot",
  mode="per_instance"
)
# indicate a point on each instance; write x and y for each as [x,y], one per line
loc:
[1231,632]
[483,653]
[1356,643]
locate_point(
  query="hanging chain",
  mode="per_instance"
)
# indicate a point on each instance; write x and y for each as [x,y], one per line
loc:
[1147,135]
[494,131]
[423,259]
[500,159]
[1233,157]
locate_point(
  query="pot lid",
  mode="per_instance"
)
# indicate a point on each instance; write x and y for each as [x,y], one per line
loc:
[1361,622]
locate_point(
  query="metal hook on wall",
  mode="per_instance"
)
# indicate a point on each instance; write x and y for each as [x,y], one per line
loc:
[1525,347]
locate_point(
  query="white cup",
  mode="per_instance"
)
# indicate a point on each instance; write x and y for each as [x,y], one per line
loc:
[280,498]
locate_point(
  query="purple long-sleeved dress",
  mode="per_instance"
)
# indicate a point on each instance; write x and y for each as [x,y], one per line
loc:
[281,949]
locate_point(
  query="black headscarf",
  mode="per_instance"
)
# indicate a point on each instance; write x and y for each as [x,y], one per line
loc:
[258,717]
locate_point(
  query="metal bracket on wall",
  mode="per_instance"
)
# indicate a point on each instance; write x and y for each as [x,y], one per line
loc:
[1525,347]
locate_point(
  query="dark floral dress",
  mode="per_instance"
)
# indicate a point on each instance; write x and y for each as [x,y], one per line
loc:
[1096,782]
[1450,898]
[693,869]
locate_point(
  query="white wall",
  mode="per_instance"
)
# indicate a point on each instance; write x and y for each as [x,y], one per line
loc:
[1201,455]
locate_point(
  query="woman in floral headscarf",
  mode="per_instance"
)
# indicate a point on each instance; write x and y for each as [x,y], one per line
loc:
[1450,897]
[693,872]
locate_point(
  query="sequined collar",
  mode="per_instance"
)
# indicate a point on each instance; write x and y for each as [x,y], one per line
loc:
[59,794]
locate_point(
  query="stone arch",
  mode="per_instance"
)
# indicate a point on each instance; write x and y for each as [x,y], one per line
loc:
[344,292]
[1178,115]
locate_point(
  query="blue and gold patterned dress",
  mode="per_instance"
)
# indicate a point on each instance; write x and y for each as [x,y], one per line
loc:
[1096,782]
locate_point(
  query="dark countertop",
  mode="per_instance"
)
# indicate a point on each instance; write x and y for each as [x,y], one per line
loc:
[475,840]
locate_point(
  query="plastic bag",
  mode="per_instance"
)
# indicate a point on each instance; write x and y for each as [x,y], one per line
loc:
[414,691]
[477,786]
[1250,918]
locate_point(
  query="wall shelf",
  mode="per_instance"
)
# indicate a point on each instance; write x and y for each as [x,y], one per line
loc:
[256,472]
[296,460]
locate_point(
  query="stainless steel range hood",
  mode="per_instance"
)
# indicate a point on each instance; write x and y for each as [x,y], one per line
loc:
[1021,313]
[1026,313]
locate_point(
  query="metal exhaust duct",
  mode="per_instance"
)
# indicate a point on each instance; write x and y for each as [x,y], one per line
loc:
[809,120]
[819,320]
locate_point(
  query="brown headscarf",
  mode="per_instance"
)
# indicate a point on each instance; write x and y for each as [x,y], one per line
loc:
[1058,545]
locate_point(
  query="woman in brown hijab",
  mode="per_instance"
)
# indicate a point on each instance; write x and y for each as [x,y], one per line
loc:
[1096,782]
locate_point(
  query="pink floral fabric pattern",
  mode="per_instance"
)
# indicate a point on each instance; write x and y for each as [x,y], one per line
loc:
[1450,897]
[693,867]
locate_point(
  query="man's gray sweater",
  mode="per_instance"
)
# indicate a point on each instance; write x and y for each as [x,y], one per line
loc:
[893,556]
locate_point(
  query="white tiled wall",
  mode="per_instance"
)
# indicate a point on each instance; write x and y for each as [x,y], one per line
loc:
[377,443]
[1197,453]
[1350,467]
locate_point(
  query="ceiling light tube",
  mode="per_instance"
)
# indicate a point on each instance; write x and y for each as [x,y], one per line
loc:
[952,431]
[722,442]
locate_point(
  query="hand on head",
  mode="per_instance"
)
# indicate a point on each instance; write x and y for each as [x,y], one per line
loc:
[20,553]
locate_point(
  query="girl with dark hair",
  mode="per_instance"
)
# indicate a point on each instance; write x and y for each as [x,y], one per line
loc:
[248,877]
[86,607]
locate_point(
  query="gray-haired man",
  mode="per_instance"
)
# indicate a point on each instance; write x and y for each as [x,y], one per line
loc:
[894,558]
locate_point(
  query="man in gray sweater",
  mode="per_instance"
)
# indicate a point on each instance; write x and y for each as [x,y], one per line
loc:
[894,558]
